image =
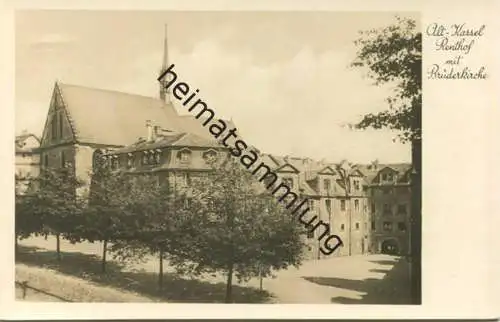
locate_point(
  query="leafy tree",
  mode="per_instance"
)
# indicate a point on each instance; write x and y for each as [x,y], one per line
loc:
[101,219]
[26,221]
[56,203]
[394,55]
[234,226]
[154,213]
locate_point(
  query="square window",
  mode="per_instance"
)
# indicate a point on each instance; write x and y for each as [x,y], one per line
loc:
[342,227]
[402,226]
[357,226]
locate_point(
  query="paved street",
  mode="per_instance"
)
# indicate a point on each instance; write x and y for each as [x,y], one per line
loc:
[368,279]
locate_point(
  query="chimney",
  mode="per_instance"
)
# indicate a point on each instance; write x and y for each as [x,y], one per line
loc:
[156,132]
[149,127]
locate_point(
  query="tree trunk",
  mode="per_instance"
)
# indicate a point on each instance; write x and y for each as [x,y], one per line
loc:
[16,249]
[416,225]
[260,277]
[58,246]
[229,285]
[160,274]
[104,251]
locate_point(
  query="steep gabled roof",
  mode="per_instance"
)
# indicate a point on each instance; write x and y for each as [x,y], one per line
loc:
[21,142]
[113,118]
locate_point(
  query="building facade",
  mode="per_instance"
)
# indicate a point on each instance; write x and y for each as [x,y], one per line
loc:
[27,159]
[389,190]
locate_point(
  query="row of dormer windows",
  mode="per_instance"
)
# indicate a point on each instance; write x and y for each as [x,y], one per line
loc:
[154,157]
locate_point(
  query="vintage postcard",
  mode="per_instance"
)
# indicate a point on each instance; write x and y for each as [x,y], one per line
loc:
[174,157]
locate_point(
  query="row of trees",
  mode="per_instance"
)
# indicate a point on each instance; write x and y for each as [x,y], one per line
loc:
[223,223]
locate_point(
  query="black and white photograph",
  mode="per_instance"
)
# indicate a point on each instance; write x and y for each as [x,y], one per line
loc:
[268,157]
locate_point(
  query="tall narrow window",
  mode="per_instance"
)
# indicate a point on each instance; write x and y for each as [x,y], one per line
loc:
[63,159]
[328,204]
[387,209]
[342,205]
[310,204]
[356,204]
[326,184]
[60,124]
[54,126]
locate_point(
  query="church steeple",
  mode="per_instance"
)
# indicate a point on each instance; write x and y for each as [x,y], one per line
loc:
[164,93]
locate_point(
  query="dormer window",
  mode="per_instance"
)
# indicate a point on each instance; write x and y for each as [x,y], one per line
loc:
[145,158]
[210,156]
[356,184]
[157,156]
[326,184]
[288,182]
[114,162]
[130,160]
[184,156]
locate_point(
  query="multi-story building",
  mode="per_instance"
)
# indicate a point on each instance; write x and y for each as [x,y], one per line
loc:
[389,192]
[366,206]
[336,196]
[174,157]
[27,158]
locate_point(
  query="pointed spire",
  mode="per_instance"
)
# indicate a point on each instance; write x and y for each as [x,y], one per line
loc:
[164,93]
[165,49]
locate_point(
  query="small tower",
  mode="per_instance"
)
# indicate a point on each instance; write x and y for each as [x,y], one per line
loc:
[164,93]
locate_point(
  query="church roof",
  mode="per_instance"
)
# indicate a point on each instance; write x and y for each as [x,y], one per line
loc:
[111,117]
[115,118]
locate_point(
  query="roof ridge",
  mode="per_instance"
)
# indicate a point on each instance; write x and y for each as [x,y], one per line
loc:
[109,91]
[183,135]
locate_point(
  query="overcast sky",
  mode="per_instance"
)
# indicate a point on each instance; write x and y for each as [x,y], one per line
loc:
[283,78]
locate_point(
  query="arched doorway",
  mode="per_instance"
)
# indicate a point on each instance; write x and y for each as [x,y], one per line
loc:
[390,247]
